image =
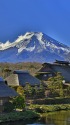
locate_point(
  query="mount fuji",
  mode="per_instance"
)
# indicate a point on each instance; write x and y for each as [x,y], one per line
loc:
[33,47]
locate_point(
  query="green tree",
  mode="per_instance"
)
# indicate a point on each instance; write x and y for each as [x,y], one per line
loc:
[19,102]
[55,84]
[28,90]
[41,90]
[68,90]
[6,71]
[20,90]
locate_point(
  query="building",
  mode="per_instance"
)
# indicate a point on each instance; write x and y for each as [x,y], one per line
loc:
[45,72]
[20,78]
[50,70]
[5,93]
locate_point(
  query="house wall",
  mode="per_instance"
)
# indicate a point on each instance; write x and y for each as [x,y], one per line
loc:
[2,102]
[1,108]
[44,76]
[12,80]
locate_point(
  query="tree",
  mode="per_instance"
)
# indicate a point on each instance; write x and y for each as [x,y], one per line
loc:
[68,91]
[6,71]
[28,90]
[20,90]
[19,102]
[55,84]
[41,90]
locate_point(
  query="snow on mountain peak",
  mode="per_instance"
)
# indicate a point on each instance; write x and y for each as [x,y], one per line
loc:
[4,45]
[39,37]
[33,46]
[23,37]
[43,42]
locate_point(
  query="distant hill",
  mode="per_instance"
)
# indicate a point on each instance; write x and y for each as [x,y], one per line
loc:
[33,47]
[29,66]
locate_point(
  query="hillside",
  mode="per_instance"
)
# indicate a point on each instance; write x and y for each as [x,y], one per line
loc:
[31,67]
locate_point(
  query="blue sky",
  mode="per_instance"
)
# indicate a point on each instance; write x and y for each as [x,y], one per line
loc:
[51,17]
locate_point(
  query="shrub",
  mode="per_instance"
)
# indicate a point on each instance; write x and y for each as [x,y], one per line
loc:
[19,102]
[8,107]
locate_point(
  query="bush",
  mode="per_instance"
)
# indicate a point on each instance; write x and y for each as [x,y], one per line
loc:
[50,108]
[13,116]
[52,101]
[39,110]
[8,107]
[19,102]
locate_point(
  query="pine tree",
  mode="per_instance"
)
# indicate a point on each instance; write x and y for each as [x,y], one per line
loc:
[55,84]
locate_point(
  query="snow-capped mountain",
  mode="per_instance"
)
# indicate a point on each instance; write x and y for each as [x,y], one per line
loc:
[33,47]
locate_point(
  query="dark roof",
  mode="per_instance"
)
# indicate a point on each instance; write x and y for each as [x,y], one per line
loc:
[20,72]
[22,79]
[62,62]
[45,70]
[61,66]
[56,62]
[46,64]
[1,79]
[27,78]
[6,91]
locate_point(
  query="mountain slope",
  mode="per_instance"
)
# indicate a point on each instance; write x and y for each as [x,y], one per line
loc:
[33,47]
